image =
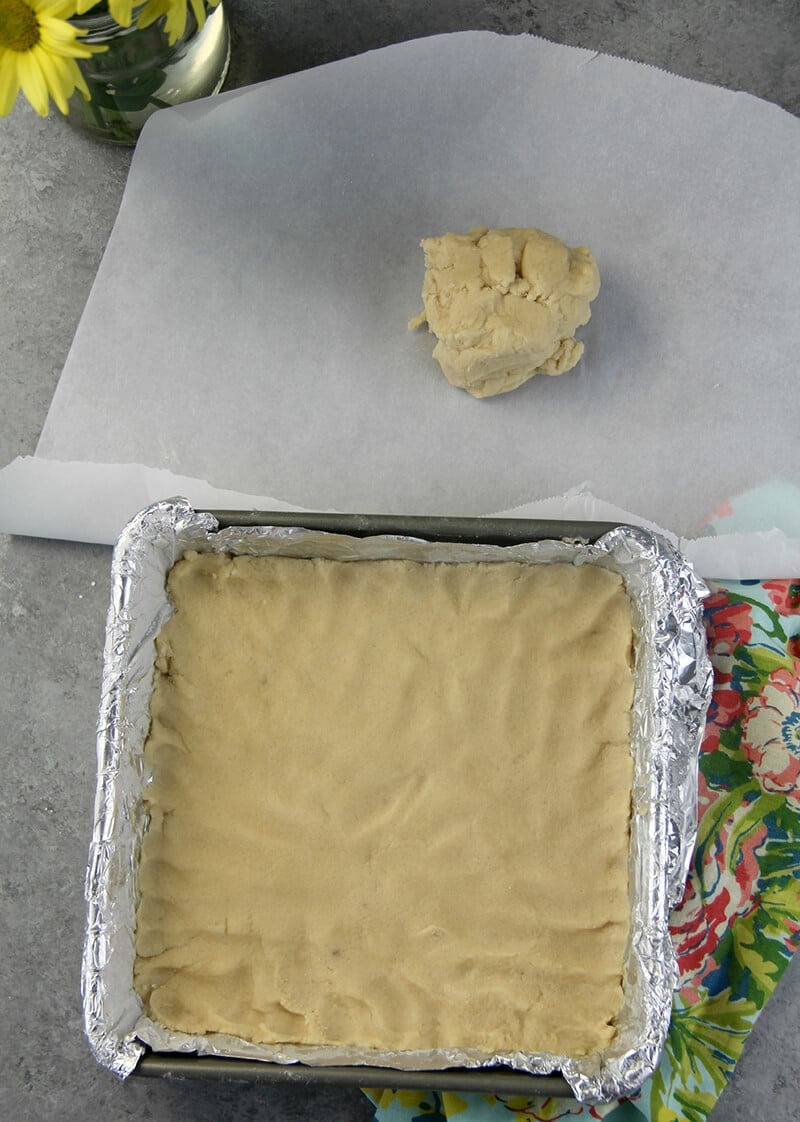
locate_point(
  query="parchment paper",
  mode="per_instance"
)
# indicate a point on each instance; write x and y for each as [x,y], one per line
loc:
[248,322]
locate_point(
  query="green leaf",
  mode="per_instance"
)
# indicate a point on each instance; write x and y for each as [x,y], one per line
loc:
[751,820]
[723,809]
[721,1022]
[696,1104]
[755,961]
[781,902]
[132,97]
[704,1043]
[758,953]
[763,607]
[755,664]
[782,861]
[726,768]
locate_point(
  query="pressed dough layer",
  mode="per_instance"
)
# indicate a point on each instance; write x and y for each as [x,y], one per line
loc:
[389,804]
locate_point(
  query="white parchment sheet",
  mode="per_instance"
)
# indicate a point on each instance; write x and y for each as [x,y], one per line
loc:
[247,326]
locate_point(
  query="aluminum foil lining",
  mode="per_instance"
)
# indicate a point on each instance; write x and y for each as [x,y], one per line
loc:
[672,691]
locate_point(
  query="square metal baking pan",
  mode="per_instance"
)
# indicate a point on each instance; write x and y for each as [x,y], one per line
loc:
[670,669]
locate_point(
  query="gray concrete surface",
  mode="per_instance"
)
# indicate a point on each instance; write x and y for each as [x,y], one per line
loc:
[59,193]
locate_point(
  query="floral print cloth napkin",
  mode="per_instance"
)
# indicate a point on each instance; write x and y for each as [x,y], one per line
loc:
[739,922]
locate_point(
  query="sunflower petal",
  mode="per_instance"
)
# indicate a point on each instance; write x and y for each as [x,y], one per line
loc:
[80,82]
[175,24]
[121,11]
[32,82]
[60,29]
[67,48]
[152,11]
[9,81]
[57,78]
[56,9]
[57,41]
[199,9]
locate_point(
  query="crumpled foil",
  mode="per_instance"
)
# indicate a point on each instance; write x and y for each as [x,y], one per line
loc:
[672,690]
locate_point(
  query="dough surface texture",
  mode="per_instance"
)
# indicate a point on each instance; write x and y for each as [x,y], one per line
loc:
[389,804]
[504,305]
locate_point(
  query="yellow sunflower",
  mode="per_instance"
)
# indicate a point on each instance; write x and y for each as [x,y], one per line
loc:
[38,48]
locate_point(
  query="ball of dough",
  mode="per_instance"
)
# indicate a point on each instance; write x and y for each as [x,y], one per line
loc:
[504,305]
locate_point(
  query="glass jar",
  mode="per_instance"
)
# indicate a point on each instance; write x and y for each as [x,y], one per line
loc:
[140,71]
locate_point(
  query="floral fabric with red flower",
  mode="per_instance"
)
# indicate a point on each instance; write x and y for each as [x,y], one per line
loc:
[738,924]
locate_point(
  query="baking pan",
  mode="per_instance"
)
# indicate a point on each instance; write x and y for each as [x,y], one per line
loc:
[148,547]
[494,1081]
[489,531]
